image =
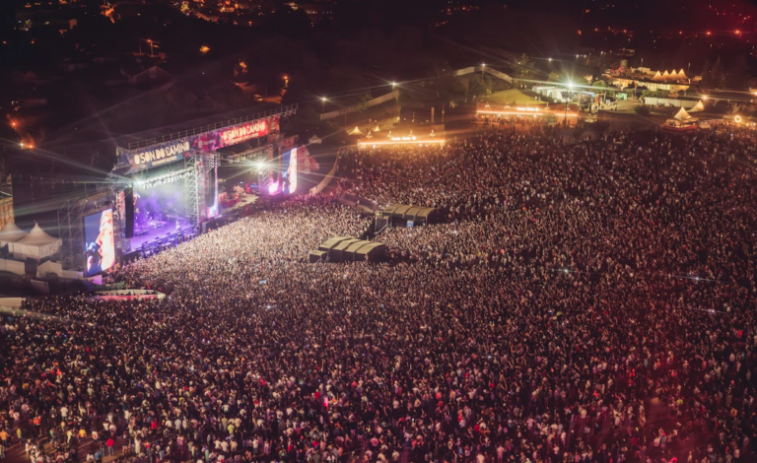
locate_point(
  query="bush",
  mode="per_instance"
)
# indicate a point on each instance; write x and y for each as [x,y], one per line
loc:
[642,110]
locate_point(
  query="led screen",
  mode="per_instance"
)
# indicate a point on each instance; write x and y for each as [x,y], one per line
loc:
[99,244]
[289,171]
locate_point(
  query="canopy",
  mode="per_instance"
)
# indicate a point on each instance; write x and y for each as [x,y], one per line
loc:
[513,97]
[36,244]
[682,115]
[11,233]
[697,107]
[356,131]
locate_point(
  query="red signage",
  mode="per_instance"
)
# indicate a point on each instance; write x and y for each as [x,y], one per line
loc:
[239,133]
[243,132]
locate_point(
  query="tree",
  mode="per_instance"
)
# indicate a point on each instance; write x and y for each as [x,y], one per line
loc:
[478,86]
[524,66]
[448,88]
[716,78]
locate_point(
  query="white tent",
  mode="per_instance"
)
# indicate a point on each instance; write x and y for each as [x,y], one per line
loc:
[11,233]
[682,115]
[37,244]
[681,74]
[657,76]
[697,107]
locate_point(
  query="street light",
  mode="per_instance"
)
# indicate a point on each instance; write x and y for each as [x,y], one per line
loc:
[394,85]
[323,104]
[483,65]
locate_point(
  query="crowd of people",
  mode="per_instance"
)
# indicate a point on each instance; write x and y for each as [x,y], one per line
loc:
[591,302]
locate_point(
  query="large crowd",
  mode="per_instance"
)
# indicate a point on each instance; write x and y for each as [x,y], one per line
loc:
[587,302]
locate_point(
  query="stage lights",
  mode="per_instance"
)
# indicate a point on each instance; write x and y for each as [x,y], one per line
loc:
[170,178]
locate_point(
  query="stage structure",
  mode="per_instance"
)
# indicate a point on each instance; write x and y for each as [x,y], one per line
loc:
[162,189]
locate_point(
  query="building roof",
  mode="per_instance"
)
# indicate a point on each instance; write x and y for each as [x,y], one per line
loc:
[513,97]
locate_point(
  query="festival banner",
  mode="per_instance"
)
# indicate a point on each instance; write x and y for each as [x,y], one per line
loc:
[235,134]
[157,155]
[207,142]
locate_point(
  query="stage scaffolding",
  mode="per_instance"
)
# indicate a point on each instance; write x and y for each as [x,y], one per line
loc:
[192,190]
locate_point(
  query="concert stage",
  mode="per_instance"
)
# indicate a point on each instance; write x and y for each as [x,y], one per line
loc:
[161,234]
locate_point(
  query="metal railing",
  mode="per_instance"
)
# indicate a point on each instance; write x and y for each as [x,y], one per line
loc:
[218,125]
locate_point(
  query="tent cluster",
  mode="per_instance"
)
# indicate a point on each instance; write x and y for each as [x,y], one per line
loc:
[670,76]
[36,244]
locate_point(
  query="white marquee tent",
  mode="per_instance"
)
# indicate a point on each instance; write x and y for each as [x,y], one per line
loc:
[683,115]
[37,244]
[697,107]
[11,233]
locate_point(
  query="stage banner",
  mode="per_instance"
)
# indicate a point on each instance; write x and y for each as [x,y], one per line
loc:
[235,134]
[156,155]
[208,142]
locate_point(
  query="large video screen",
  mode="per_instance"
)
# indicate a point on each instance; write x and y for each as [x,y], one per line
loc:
[289,171]
[99,244]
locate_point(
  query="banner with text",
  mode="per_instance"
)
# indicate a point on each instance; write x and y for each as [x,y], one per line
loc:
[208,142]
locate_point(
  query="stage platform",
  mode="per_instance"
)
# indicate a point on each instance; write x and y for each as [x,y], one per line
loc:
[166,231]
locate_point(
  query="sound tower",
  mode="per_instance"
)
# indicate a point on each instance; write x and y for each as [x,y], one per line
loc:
[129,210]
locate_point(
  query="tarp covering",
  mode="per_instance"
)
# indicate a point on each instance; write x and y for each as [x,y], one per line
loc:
[425,212]
[331,242]
[317,256]
[338,253]
[352,249]
[406,212]
[37,244]
[372,251]
[11,233]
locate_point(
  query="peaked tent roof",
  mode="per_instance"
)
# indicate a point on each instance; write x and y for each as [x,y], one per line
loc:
[11,233]
[682,115]
[356,131]
[697,107]
[37,237]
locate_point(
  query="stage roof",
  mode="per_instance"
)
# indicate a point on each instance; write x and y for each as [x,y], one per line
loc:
[95,133]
